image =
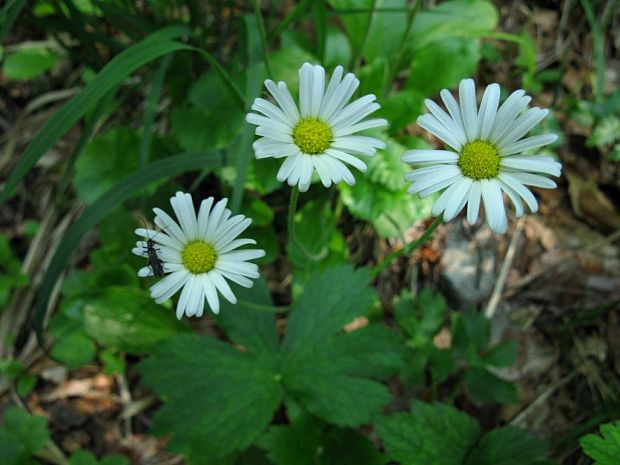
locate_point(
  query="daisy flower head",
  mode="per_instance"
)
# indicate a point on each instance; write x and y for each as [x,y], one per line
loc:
[483,157]
[320,134]
[198,254]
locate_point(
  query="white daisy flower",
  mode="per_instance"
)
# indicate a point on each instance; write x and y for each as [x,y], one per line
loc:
[320,134]
[198,254]
[483,157]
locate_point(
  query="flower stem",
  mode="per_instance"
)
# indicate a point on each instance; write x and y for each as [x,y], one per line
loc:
[408,248]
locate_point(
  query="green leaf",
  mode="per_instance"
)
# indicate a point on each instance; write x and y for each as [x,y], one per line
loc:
[507,445]
[115,72]
[247,326]
[21,436]
[310,441]
[603,450]
[459,18]
[435,434]
[606,132]
[381,196]
[9,13]
[402,110]
[503,354]
[330,301]
[320,370]
[421,320]
[285,63]
[355,23]
[218,399]
[470,334]
[337,48]
[74,350]
[484,386]
[386,29]
[208,106]
[83,457]
[29,63]
[442,64]
[113,362]
[128,319]
[105,205]
[106,160]
[114,459]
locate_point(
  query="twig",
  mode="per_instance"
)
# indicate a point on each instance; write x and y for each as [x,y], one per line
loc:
[503,274]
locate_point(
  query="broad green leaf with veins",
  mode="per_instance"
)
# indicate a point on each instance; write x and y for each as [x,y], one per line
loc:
[604,449]
[219,398]
[435,434]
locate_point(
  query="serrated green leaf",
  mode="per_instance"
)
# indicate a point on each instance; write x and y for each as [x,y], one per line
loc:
[248,327]
[470,334]
[128,319]
[29,63]
[21,436]
[74,350]
[373,351]
[507,445]
[421,320]
[503,354]
[604,449]
[330,301]
[435,434]
[218,399]
[310,441]
[484,386]
[606,132]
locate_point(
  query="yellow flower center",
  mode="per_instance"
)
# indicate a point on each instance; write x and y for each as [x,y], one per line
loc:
[312,136]
[199,257]
[478,160]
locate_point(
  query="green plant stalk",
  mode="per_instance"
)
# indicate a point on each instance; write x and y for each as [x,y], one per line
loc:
[408,248]
[411,14]
[292,16]
[292,208]
[320,27]
[599,49]
[263,37]
[9,13]
[357,56]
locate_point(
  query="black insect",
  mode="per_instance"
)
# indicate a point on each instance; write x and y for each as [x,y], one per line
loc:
[157,266]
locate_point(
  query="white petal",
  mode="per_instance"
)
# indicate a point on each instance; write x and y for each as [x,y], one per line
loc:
[287,167]
[305,177]
[345,157]
[323,170]
[535,180]
[145,271]
[306,76]
[432,184]
[494,206]
[232,245]
[473,202]
[269,123]
[236,278]
[282,95]
[520,189]
[529,143]
[507,113]
[169,285]
[429,171]
[443,200]
[159,237]
[270,111]
[532,163]
[243,255]
[318,88]
[203,216]
[241,268]
[351,109]
[215,218]
[226,235]
[521,126]
[186,295]
[454,110]
[429,156]
[165,222]
[467,99]
[334,82]
[432,125]
[220,283]
[183,207]
[274,135]
[457,199]
[341,95]
[453,128]
[368,124]
[275,150]
[211,293]
[488,110]
[516,200]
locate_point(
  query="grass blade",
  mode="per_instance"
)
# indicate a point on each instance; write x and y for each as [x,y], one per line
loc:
[107,203]
[254,83]
[111,75]
[8,15]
